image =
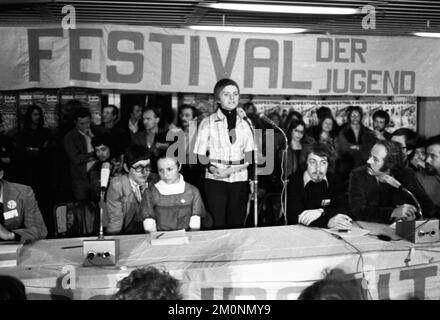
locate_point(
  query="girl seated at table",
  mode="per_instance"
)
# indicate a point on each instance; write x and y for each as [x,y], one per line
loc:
[172,203]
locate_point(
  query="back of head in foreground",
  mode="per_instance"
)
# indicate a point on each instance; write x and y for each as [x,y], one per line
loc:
[11,288]
[148,284]
[337,285]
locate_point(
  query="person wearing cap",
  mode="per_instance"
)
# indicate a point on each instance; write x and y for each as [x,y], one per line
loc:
[224,144]
[20,217]
[122,213]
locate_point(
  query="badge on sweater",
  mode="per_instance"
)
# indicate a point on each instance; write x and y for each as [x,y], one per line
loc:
[325,202]
[10,214]
[11,204]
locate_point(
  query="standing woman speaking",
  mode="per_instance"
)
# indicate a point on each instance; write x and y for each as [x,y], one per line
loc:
[225,143]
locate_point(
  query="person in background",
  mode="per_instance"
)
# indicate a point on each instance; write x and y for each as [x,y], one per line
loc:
[296,143]
[152,139]
[133,123]
[430,177]
[418,157]
[6,151]
[292,115]
[324,132]
[109,126]
[225,144]
[79,150]
[374,193]
[11,288]
[148,283]
[191,170]
[172,203]
[122,214]
[407,139]
[103,146]
[20,217]
[336,285]
[354,142]
[314,194]
[381,119]
[34,147]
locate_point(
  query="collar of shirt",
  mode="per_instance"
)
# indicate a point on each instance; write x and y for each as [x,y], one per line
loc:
[170,189]
[307,178]
[222,117]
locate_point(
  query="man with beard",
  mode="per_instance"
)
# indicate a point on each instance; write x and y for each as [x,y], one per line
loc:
[315,197]
[380,120]
[430,179]
[374,193]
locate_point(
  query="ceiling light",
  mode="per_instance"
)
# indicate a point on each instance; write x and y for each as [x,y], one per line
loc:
[427,34]
[248,29]
[282,8]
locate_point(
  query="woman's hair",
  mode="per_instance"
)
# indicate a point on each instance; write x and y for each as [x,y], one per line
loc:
[28,116]
[278,116]
[148,284]
[221,84]
[336,285]
[104,140]
[164,154]
[317,130]
[295,123]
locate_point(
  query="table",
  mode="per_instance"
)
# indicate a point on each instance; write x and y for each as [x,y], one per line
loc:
[252,263]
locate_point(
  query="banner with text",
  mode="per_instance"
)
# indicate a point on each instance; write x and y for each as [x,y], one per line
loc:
[105,56]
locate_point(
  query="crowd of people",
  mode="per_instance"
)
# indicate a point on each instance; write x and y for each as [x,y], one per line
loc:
[195,174]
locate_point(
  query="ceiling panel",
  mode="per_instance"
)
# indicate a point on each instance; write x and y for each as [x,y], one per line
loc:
[392,17]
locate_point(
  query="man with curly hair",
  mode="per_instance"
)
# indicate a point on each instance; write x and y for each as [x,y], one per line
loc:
[148,283]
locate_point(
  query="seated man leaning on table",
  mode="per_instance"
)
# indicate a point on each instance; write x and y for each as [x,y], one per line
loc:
[315,196]
[374,189]
[125,193]
[20,217]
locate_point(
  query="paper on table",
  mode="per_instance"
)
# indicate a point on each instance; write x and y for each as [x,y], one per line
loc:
[169,238]
[9,253]
[351,233]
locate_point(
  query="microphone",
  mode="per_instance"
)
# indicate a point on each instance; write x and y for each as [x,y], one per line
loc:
[266,119]
[105,175]
[396,184]
[391,181]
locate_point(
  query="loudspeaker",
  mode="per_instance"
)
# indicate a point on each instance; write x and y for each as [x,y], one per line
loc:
[100,252]
[415,232]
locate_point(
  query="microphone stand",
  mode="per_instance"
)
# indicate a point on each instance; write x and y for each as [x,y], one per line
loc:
[101,214]
[284,174]
[254,180]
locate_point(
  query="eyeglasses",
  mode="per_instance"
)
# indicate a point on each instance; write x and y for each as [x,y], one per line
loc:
[142,168]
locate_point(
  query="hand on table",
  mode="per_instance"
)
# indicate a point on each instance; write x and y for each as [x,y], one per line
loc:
[308,216]
[340,221]
[6,234]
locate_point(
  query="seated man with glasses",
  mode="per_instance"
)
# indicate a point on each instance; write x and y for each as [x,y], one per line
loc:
[124,195]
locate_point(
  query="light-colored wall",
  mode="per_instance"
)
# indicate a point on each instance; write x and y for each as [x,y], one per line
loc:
[429,116]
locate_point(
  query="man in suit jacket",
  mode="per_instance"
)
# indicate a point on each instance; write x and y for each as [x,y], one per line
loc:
[374,193]
[20,217]
[125,193]
[79,150]
[151,138]
[315,198]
